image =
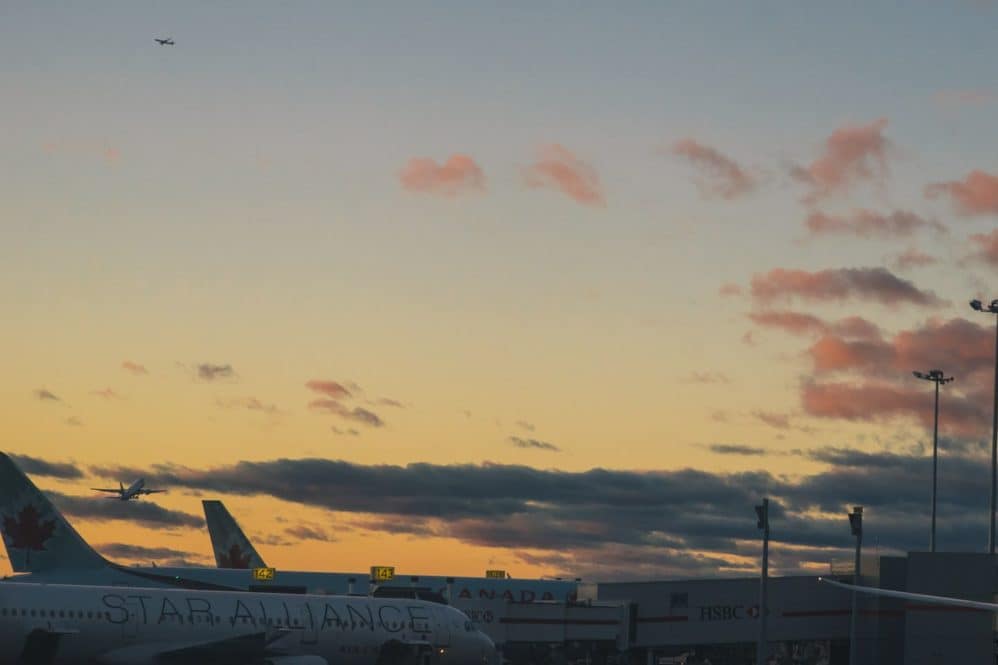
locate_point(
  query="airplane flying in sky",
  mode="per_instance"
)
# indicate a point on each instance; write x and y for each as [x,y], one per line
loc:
[42,546]
[165,42]
[78,625]
[133,491]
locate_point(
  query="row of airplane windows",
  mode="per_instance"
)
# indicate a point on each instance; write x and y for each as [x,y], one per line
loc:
[100,616]
[63,614]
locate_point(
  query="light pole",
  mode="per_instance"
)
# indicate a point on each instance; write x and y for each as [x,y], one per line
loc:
[856,525]
[992,309]
[762,513]
[937,377]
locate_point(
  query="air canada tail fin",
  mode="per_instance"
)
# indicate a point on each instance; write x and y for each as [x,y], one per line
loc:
[37,537]
[232,548]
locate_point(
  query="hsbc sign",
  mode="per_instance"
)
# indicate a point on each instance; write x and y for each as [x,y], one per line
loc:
[728,612]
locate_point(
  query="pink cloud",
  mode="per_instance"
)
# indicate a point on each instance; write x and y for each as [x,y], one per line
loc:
[722,176]
[106,393]
[558,168]
[956,345]
[866,223]
[852,154]
[332,389]
[986,247]
[355,414]
[795,323]
[977,194]
[800,323]
[873,284]
[856,327]
[134,368]
[832,353]
[777,420]
[458,175]
[962,415]
[913,258]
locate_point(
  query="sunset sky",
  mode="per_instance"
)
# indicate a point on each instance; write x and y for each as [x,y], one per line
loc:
[560,289]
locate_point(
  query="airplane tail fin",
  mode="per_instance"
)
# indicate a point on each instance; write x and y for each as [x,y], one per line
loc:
[232,548]
[37,537]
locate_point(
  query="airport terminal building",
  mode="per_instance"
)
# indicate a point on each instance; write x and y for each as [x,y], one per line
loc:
[716,621]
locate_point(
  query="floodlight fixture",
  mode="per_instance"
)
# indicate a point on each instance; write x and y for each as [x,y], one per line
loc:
[992,308]
[939,378]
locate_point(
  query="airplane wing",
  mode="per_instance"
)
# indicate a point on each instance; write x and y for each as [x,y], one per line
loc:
[145,491]
[917,597]
[104,489]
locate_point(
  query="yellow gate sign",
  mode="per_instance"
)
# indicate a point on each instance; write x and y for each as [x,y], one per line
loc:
[263,574]
[495,574]
[382,573]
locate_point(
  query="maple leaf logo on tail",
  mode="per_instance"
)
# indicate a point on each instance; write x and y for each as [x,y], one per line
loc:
[235,558]
[27,531]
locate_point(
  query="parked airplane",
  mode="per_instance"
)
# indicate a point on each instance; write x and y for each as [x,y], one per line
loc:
[81,625]
[917,597]
[165,42]
[233,549]
[231,546]
[43,547]
[133,491]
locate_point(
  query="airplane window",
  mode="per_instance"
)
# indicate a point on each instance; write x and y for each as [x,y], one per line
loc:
[32,613]
[90,614]
[3,612]
[62,615]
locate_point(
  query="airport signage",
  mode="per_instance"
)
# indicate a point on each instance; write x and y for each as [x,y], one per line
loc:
[264,574]
[382,573]
[495,574]
[728,612]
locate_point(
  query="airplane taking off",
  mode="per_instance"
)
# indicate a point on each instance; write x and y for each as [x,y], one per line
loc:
[133,491]
[44,548]
[81,625]
[165,42]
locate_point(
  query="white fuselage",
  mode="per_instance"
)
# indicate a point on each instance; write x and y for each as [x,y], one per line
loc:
[133,490]
[126,626]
